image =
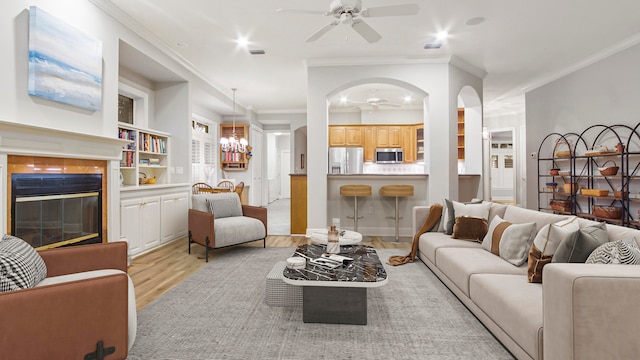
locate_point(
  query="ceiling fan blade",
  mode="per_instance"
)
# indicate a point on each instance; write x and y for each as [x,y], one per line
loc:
[315,36]
[366,31]
[302,11]
[390,105]
[391,10]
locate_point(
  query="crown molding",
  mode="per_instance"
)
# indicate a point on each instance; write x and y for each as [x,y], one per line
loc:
[607,52]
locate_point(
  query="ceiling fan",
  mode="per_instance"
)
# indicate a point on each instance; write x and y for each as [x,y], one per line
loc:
[376,102]
[350,12]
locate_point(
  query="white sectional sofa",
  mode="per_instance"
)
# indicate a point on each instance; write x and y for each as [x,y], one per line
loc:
[580,311]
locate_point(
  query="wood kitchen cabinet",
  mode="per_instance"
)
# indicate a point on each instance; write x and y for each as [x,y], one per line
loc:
[409,143]
[369,143]
[389,136]
[345,135]
[298,209]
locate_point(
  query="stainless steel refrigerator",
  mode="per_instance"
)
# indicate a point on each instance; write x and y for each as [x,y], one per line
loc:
[346,160]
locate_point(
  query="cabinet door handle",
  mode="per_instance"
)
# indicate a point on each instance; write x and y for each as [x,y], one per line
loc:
[301,161]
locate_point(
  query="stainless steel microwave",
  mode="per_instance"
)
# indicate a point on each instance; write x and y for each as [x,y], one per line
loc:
[389,155]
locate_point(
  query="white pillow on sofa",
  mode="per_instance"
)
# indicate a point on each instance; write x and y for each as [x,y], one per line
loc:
[509,241]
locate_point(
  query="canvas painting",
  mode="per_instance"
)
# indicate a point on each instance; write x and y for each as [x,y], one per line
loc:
[65,64]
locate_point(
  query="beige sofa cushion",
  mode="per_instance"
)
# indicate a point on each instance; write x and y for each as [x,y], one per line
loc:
[514,304]
[431,241]
[518,215]
[458,264]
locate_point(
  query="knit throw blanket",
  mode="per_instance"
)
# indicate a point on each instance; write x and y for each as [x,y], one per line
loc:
[432,220]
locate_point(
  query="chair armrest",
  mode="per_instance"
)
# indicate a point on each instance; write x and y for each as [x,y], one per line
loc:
[65,321]
[420,214]
[69,260]
[201,226]
[590,311]
[256,212]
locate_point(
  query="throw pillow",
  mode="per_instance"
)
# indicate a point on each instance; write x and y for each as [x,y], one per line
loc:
[509,241]
[545,244]
[449,217]
[21,266]
[577,247]
[623,251]
[456,209]
[224,205]
[470,228]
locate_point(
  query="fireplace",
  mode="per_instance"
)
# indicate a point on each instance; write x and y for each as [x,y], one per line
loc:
[52,210]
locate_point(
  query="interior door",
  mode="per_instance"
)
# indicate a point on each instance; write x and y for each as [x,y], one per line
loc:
[255,197]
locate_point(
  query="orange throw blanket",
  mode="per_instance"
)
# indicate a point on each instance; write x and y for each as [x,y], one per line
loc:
[432,220]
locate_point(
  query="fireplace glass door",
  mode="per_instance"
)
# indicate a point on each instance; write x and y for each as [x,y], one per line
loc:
[57,211]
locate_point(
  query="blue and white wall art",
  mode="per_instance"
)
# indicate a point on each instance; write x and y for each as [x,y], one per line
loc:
[65,64]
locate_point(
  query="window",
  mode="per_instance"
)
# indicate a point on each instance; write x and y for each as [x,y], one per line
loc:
[508,161]
[125,109]
[133,106]
[204,151]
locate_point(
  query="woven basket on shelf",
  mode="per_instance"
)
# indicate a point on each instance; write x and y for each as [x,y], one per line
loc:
[607,212]
[608,170]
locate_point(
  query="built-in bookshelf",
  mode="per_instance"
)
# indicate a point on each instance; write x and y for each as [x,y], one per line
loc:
[145,157]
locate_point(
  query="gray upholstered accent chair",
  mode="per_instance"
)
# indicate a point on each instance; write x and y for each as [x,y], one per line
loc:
[219,220]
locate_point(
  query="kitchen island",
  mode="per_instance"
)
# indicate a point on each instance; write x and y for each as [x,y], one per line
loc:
[375,209]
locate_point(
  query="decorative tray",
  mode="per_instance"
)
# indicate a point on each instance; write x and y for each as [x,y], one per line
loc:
[594,192]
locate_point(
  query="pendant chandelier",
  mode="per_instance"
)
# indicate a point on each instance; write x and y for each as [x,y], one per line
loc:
[232,143]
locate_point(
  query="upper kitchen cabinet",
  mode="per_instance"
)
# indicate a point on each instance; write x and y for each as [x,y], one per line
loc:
[409,143]
[345,135]
[369,143]
[389,136]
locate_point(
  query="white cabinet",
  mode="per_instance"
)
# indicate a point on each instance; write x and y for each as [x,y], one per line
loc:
[140,223]
[174,216]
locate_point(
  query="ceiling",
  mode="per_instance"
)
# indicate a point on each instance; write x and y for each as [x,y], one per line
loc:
[519,43]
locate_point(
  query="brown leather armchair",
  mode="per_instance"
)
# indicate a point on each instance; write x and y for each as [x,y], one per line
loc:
[79,319]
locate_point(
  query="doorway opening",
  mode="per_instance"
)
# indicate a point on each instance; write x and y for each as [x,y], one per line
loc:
[502,163]
[278,186]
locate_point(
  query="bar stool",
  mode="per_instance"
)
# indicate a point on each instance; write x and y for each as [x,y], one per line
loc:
[355,191]
[396,191]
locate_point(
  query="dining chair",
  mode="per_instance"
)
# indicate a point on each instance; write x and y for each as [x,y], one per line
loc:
[201,187]
[226,184]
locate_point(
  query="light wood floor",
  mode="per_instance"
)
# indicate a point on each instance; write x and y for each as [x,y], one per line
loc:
[158,271]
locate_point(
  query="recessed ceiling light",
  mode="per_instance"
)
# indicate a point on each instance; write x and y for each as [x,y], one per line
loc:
[442,35]
[242,41]
[407,99]
[343,99]
[475,21]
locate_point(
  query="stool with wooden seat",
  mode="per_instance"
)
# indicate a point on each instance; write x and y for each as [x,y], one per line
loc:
[355,191]
[397,191]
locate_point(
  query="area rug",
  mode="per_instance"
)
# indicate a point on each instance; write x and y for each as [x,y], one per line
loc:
[220,313]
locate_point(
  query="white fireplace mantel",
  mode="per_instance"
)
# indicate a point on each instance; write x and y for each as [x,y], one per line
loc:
[29,140]
[19,139]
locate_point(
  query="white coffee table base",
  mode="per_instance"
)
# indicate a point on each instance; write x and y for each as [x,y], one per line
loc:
[349,237]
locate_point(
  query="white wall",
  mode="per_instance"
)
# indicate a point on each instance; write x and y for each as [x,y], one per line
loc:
[605,92]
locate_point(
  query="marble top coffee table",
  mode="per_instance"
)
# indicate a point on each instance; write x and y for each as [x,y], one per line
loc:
[339,295]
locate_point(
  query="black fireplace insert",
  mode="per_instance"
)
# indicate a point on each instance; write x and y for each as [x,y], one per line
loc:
[52,210]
